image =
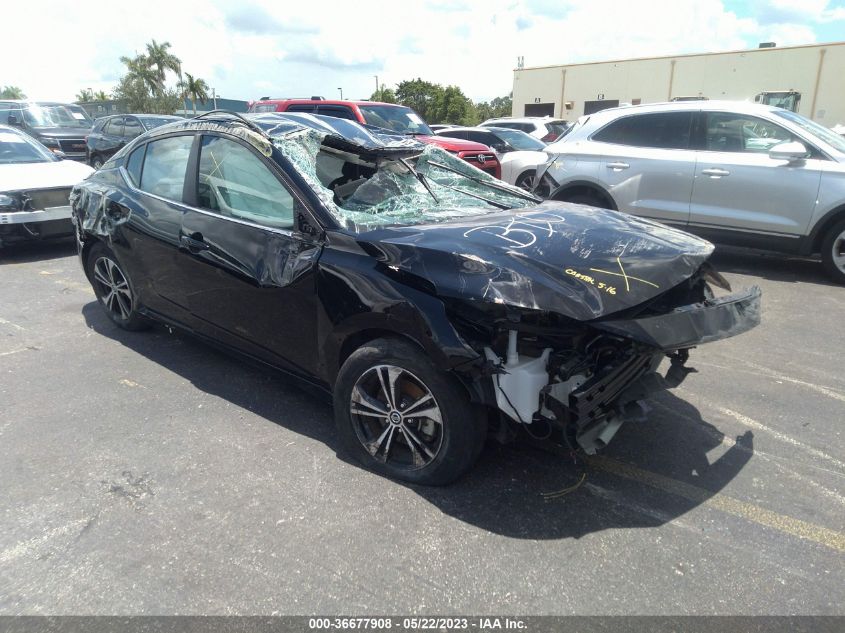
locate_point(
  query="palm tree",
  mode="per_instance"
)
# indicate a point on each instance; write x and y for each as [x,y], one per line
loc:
[139,68]
[84,95]
[195,88]
[100,95]
[12,92]
[159,56]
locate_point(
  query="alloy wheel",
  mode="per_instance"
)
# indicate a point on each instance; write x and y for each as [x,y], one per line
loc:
[114,290]
[396,417]
[838,252]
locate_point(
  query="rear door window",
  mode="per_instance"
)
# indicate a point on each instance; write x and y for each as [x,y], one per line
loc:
[132,127]
[133,165]
[300,107]
[340,112]
[164,166]
[728,132]
[235,183]
[661,130]
[115,126]
[485,138]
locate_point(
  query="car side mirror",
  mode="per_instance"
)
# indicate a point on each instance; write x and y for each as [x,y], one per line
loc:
[13,120]
[502,148]
[789,151]
[59,154]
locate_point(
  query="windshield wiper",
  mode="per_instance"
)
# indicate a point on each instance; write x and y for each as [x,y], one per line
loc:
[493,203]
[519,192]
[423,180]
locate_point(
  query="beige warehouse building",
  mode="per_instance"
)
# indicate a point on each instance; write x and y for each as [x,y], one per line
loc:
[812,77]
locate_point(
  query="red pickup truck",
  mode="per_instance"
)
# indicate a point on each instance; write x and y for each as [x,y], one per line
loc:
[396,118]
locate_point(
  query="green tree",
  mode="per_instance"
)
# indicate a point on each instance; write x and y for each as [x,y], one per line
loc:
[451,105]
[498,107]
[139,69]
[195,89]
[420,95]
[84,95]
[101,95]
[144,86]
[384,95]
[160,59]
[12,92]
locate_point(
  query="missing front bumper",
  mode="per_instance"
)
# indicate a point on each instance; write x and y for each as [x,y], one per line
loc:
[694,324]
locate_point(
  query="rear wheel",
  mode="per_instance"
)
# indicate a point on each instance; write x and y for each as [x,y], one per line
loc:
[401,417]
[114,289]
[833,252]
[96,162]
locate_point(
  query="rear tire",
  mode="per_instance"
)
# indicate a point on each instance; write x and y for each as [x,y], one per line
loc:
[425,432]
[833,252]
[113,288]
[96,162]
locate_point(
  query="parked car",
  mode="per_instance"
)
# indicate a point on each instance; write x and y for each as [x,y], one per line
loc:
[736,173]
[432,301]
[546,129]
[441,126]
[389,116]
[61,127]
[110,133]
[518,153]
[34,189]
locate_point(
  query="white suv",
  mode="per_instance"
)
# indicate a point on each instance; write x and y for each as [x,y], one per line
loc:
[544,128]
[733,172]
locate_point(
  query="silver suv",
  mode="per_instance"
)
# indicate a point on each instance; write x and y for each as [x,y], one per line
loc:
[736,173]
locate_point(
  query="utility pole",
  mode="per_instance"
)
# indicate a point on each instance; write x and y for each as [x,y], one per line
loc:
[214,97]
[378,96]
[341,93]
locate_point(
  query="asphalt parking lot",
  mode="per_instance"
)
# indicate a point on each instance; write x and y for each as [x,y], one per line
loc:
[144,473]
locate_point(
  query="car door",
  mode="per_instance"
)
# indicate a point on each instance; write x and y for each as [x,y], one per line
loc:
[112,138]
[739,188]
[648,164]
[248,267]
[131,128]
[152,206]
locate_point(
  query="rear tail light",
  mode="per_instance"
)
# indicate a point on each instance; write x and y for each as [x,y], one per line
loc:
[550,137]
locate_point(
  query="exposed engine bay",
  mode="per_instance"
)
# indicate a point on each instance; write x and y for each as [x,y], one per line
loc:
[560,380]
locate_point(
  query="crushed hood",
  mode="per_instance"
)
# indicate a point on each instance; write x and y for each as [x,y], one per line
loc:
[454,144]
[578,261]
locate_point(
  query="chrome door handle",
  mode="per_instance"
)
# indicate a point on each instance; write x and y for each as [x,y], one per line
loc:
[715,172]
[618,166]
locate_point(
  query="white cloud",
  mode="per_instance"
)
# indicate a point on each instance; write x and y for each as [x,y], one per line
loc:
[250,48]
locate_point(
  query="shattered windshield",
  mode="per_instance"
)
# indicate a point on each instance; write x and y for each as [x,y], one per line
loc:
[366,189]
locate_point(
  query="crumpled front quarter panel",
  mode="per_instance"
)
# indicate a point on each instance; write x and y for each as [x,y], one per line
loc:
[578,261]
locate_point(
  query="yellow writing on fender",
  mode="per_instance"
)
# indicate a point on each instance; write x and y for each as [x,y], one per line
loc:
[611,290]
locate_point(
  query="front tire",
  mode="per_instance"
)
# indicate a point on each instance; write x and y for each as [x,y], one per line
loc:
[833,252]
[113,288]
[96,162]
[401,417]
[526,181]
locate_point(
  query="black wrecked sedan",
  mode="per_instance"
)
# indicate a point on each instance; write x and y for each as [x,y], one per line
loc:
[435,304]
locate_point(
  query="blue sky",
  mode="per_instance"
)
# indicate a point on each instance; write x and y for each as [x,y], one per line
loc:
[251,48]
